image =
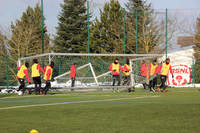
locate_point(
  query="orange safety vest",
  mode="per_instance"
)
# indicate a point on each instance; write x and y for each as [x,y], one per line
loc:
[126,72]
[35,71]
[153,69]
[115,67]
[165,69]
[45,74]
[21,73]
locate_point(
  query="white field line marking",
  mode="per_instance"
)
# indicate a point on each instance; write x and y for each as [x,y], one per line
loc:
[89,101]
[18,97]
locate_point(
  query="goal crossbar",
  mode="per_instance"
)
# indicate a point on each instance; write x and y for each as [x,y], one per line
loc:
[86,54]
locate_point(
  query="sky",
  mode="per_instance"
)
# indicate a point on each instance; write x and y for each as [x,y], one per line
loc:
[10,10]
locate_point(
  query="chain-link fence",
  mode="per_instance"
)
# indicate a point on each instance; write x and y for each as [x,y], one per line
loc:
[109,27]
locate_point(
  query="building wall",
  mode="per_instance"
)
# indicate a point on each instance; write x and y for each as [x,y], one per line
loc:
[184,57]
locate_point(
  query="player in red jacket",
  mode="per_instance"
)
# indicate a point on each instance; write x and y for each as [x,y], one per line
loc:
[73,74]
[127,75]
[36,68]
[165,68]
[23,71]
[143,72]
[152,75]
[47,77]
[114,68]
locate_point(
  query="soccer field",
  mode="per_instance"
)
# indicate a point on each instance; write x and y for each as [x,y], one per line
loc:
[177,111]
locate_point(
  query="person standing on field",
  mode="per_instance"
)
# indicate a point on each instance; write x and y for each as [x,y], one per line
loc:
[114,68]
[126,74]
[165,68]
[47,77]
[73,74]
[143,72]
[152,75]
[23,71]
[36,76]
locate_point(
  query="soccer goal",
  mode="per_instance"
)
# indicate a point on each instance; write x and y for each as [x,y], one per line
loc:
[92,70]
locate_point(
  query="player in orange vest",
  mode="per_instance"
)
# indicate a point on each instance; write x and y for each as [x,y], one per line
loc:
[47,77]
[36,75]
[73,74]
[165,68]
[126,74]
[152,75]
[23,71]
[114,68]
[143,72]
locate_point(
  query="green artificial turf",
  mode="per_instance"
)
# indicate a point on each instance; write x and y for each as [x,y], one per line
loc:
[177,111]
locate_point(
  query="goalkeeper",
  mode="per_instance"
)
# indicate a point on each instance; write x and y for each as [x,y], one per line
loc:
[126,75]
[152,75]
[114,68]
[23,71]
[73,74]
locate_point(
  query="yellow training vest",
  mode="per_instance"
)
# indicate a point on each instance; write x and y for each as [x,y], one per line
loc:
[20,73]
[165,69]
[125,72]
[153,69]
[45,75]
[115,67]
[35,71]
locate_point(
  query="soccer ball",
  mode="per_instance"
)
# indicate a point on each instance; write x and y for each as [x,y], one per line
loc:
[20,93]
[34,131]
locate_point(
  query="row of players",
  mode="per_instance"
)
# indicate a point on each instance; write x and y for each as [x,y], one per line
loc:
[35,74]
[149,72]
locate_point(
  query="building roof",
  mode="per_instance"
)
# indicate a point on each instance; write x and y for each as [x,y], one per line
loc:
[184,41]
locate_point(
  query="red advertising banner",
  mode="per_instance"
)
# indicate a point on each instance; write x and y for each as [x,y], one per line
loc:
[182,75]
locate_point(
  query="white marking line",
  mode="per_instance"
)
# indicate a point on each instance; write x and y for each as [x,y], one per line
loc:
[89,101]
[18,97]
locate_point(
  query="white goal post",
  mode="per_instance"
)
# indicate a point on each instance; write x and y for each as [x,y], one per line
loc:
[92,69]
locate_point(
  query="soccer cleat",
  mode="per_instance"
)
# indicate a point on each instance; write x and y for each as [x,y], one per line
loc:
[158,89]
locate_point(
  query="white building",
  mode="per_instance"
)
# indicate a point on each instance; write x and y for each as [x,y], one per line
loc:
[184,57]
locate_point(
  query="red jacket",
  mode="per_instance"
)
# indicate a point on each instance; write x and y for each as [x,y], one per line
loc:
[170,69]
[40,68]
[48,74]
[143,70]
[26,73]
[73,72]
[116,72]
[157,70]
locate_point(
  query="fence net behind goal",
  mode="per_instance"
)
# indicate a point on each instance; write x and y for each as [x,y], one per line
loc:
[92,70]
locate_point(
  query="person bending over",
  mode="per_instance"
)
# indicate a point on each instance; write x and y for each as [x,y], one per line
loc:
[23,71]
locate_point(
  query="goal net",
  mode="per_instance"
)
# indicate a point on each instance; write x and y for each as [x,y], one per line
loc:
[92,70]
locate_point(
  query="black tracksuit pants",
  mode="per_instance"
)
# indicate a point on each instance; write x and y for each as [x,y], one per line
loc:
[47,87]
[73,82]
[22,85]
[163,81]
[37,82]
[116,78]
[127,81]
[153,83]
